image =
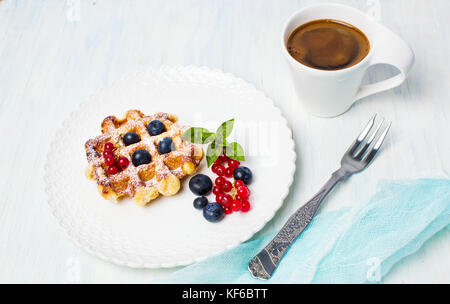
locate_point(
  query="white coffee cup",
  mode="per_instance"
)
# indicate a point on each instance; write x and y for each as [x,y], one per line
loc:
[328,93]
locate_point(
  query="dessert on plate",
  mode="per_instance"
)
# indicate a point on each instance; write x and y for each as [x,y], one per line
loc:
[141,156]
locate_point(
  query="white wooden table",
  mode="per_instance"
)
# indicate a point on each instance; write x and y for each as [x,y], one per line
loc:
[54,54]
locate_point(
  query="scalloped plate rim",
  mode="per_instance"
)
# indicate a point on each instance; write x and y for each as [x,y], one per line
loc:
[122,262]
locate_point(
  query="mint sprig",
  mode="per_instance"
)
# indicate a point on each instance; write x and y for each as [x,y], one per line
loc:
[217,142]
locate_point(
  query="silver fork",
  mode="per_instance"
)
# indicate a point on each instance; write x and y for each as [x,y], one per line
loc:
[356,158]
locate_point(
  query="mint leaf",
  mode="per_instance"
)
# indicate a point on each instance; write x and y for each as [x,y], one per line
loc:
[208,137]
[234,151]
[224,131]
[217,142]
[198,135]
[212,153]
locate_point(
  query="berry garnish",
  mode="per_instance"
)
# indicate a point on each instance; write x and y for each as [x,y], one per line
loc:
[130,138]
[123,162]
[245,206]
[214,168]
[244,174]
[239,198]
[227,210]
[227,199]
[222,159]
[200,184]
[156,127]
[113,169]
[166,145]
[200,202]
[217,190]
[229,172]
[243,192]
[235,205]
[219,197]
[109,146]
[238,183]
[219,181]
[109,160]
[108,153]
[220,170]
[213,212]
[141,157]
[226,202]
[227,186]
[233,163]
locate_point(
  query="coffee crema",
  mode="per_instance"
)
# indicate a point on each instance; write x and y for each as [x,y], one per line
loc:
[328,44]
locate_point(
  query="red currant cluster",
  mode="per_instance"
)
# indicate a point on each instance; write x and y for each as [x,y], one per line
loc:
[232,197]
[114,165]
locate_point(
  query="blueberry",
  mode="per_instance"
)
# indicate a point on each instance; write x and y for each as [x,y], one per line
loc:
[200,202]
[200,184]
[244,174]
[141,157]
[213,212]
[156,127]
[165,145]
[130,138]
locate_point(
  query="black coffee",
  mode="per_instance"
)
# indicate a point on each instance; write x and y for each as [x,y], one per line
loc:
[328,44]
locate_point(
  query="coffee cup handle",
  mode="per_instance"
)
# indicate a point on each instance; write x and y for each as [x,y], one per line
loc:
[389,49]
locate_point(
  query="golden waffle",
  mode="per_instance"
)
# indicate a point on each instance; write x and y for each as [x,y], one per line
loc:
[145,182]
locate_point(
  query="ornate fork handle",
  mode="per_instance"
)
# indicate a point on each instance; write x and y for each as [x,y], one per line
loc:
[357,157]
[264,263]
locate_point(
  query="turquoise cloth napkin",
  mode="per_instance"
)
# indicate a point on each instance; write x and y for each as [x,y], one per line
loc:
[351,245]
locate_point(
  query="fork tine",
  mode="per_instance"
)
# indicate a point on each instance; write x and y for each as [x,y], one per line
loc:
[377,145]
[367,129]
[362,135]
[360,154]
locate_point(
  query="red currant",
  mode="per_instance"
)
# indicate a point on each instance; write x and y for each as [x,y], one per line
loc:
[243,192]
[214,168]
[109,146]
[113,169]
[123,162]
[229,172]
[219,197]
[245,206]
[238,183]
[227,199]
[239,198]
[222,159]
[225,205]
[233,163]
[227,186]
[107,153]
[236,205]
[109,160]
[227,210]
[220,170]
[217,190]
[219,181]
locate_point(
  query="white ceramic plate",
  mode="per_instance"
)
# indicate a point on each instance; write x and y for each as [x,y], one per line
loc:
[169,231]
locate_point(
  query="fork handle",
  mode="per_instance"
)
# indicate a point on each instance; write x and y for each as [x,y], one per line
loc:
[264,263]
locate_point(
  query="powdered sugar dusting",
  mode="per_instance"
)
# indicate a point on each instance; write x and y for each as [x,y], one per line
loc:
[128,181]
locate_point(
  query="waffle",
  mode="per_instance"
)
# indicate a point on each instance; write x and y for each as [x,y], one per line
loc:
[145,182]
